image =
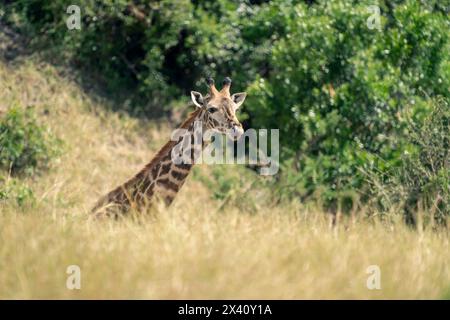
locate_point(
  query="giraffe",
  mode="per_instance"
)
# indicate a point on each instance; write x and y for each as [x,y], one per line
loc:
[162,177]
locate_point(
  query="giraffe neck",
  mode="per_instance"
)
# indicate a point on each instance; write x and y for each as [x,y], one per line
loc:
[162,177]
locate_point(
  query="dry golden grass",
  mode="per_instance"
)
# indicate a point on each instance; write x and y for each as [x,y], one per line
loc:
[191,250]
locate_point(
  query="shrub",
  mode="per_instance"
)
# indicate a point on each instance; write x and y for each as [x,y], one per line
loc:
[13,190]
[24,144]
[339,91]
[153,51]
[239,188]
[421,183]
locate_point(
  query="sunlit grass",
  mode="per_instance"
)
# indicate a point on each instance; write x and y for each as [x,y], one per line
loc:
[189,252]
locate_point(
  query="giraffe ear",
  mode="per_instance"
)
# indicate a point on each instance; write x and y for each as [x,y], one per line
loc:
[197,98]
[238,99]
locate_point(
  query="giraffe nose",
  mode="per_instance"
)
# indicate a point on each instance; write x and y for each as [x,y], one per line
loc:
[236,132]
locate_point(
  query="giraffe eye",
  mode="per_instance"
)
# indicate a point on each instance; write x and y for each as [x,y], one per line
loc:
[212,110]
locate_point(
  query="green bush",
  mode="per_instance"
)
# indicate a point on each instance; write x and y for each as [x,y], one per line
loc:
[154,51]
[25,145]
[339,91]
[238,188]
[13,190]
[421,183]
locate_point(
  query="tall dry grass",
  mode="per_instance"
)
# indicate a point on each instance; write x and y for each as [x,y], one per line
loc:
[193,249]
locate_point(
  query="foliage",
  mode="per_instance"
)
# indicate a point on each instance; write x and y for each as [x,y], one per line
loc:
[25,145]
[155,50]
[233,188]
[339,91]
[422,181]
[12,189]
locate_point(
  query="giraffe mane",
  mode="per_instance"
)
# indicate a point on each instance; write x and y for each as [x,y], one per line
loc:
[168,146]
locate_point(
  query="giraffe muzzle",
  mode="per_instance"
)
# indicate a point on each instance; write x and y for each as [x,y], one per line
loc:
[236,132]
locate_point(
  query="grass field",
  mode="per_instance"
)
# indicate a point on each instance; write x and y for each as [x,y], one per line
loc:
[193,249]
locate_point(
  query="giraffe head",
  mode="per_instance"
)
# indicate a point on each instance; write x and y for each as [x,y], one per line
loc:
[220,108]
